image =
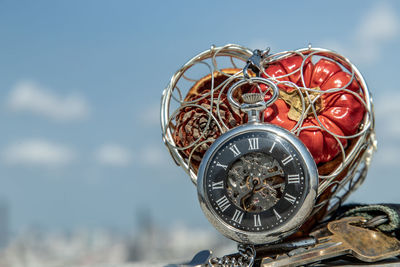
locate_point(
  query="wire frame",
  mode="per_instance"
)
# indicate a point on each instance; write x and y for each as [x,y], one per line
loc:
[350,166]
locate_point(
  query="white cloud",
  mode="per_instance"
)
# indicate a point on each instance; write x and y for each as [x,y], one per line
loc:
[37,152]
[113,155]
[155,156]
[378,26]
[30,97]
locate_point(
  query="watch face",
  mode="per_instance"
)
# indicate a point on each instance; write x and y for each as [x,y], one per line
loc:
[256,181]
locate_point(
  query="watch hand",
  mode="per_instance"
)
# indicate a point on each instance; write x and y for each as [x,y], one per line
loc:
[278,185]
[256,186]
[270,189]
[274,170]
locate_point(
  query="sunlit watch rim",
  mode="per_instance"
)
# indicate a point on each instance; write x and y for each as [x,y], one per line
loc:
[293,223]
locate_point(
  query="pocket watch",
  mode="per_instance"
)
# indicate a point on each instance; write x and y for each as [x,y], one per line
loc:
[257,183]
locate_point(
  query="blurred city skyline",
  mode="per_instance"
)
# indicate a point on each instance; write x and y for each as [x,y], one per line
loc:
[81,84]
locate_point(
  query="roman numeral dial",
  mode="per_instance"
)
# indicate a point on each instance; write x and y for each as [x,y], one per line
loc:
[286,160]
[290,198]
[235,150]
[257,220]
[222,165]
[253,143]
[217,185]
[293,178]
[253,182]
[238,216]
[223,203]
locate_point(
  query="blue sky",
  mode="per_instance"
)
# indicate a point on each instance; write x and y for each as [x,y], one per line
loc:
[81,83]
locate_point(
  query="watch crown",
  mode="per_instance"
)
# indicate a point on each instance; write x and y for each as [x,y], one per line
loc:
[253,104]
[252,98]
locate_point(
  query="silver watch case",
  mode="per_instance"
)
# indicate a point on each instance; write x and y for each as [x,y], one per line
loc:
[289,226]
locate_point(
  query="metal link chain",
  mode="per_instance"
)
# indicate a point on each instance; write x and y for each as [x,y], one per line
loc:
[246,259]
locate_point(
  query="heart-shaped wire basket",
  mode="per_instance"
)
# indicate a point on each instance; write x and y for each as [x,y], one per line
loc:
[195,111]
